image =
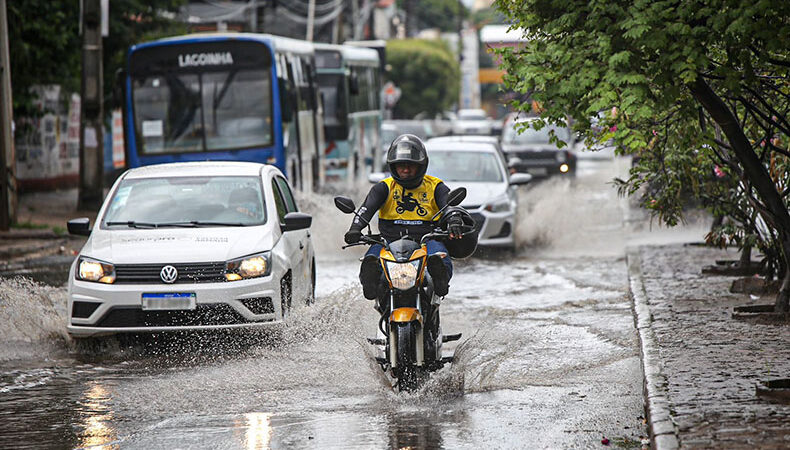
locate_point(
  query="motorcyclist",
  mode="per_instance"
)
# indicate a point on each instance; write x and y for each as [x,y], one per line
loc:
[406,202]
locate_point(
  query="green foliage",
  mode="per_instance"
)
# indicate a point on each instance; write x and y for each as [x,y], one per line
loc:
[427,74]
[441,14]
[486,16]
[632,67]
[46,47]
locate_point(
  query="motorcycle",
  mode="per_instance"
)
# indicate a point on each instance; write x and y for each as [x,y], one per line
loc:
[409,308]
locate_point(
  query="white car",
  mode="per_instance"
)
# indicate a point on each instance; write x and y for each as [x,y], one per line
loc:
[191,246]
[491,191]
[472,121]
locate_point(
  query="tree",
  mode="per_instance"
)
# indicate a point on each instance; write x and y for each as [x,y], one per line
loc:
[441,14]
[427,74]
[685,84]
[46,48]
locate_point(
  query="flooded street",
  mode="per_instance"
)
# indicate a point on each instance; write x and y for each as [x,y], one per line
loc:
[549,356]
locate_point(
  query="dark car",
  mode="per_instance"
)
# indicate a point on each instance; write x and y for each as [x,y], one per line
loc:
[531,151]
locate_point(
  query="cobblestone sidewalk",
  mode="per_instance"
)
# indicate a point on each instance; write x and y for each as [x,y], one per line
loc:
[701,365]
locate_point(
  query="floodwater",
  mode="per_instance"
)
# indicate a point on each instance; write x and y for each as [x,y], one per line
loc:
[548,359]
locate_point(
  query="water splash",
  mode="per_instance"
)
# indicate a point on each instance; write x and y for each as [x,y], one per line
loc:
[33,317]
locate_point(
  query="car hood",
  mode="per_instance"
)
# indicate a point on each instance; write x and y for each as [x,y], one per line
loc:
[472,123]
[176,245]
[479,193]
[507,148]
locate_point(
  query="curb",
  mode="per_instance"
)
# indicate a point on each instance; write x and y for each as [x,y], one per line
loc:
[663,430]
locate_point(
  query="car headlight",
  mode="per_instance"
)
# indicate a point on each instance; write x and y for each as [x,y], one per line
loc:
[403,275]
[252,266]
[500,204]
[93,270]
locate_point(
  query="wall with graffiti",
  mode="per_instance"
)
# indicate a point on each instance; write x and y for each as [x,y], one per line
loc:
[47,146]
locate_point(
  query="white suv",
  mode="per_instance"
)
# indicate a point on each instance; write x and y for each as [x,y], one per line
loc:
[189,246]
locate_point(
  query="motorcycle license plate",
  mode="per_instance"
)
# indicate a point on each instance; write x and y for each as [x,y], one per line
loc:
[162,301]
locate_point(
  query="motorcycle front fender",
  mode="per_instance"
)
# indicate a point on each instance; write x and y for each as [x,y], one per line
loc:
[406,315]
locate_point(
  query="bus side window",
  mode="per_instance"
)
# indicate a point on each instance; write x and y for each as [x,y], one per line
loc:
[286,99]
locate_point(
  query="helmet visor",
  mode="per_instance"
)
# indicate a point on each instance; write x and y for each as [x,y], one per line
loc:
[405,152]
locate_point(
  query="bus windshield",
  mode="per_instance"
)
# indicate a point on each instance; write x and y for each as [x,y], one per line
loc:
[201,97]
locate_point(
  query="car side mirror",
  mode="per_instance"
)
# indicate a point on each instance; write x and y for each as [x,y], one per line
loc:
[456,196]
[519,178]
[345,204]
[296,221]
[79,227]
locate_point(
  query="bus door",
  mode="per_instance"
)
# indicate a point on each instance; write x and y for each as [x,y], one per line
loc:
[291,138]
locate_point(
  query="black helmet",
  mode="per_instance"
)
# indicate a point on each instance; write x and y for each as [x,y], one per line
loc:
[408,148]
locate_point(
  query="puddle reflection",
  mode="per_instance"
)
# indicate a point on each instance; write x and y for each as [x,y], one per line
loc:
[259,431]
[414,431]
[95,418]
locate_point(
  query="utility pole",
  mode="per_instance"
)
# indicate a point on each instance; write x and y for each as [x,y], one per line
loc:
[91,127]
[8,199]
[310,20]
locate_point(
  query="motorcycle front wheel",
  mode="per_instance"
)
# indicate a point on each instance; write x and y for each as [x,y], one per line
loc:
[410,376]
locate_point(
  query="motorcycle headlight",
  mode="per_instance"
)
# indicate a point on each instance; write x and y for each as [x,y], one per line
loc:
[501,204]
[93,270]
[252,266]
[403,275]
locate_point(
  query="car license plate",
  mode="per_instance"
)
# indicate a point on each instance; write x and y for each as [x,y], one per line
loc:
[537,171]
[169,300]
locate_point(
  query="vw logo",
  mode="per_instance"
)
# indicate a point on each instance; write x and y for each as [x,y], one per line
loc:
[168,274]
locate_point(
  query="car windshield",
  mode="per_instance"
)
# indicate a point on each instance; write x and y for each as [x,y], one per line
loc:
[465,166]
[530,135]
[187,201]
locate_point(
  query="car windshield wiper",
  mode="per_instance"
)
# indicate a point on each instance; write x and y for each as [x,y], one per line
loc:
[200,223]
[133,224]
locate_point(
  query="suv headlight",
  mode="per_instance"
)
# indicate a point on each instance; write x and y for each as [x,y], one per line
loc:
[92,270]
[257,265]
[403,275]
[499,204]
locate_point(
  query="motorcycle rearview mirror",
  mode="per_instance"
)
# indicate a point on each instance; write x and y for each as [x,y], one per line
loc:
[456,196]
[345,204]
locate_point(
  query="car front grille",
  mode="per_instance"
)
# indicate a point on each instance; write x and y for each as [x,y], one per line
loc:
[216,314]
[213,272]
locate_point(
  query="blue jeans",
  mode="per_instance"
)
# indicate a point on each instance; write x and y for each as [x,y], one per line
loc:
[431,246]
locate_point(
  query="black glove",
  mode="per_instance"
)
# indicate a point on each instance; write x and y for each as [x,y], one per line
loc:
[352,236]
[455,227]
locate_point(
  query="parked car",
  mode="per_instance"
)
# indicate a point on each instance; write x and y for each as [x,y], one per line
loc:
[191,246]
[491,191]
[472,121]
[532,151]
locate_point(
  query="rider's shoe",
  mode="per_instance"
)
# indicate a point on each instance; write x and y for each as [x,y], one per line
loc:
[369,276]
[438,271]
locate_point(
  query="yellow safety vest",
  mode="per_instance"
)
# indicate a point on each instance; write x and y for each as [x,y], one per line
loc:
[410,206]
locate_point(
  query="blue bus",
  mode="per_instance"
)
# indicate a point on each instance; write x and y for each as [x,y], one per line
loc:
[225,96]
[349,79]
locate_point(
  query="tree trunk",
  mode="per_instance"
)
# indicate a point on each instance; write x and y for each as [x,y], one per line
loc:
[746,256]
[754,170]
[784,294]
